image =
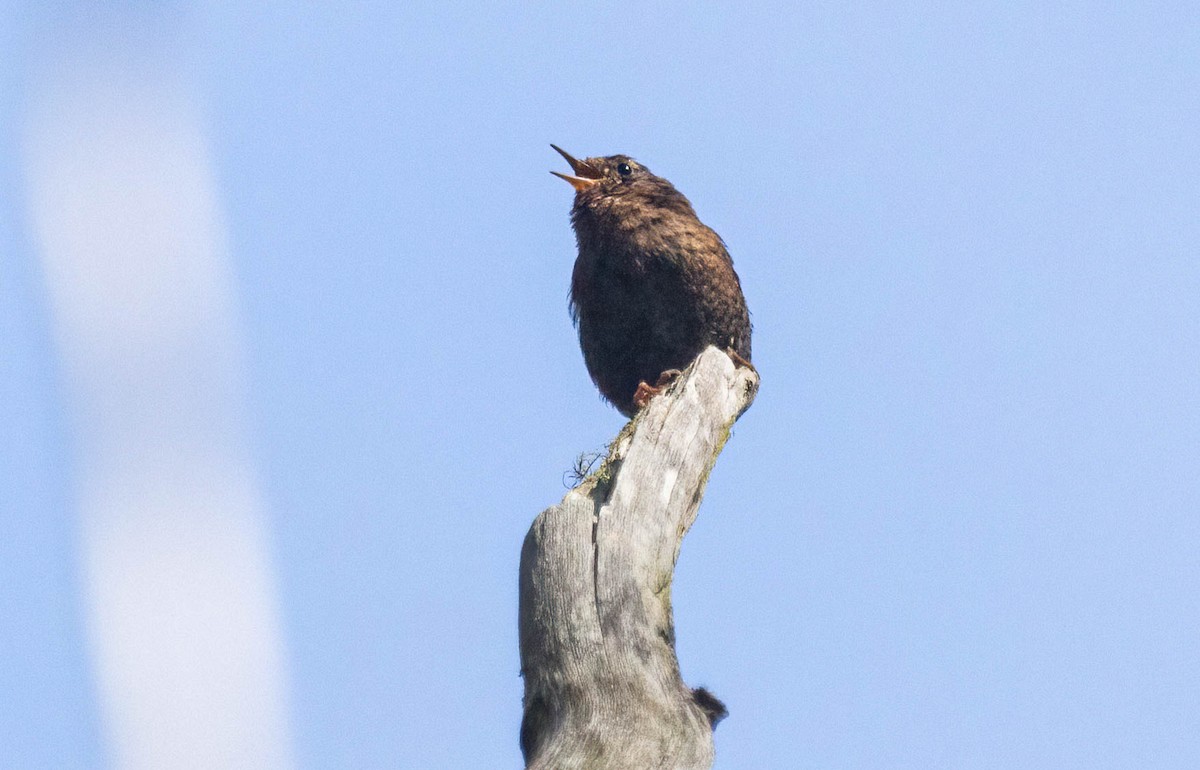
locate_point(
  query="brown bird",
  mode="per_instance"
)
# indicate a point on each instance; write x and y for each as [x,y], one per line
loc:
[652,286]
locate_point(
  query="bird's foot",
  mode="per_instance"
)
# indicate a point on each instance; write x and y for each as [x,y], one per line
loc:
[644,393]
[666,378]
[739,361]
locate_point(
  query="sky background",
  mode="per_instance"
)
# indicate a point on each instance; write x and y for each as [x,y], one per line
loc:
[960,527]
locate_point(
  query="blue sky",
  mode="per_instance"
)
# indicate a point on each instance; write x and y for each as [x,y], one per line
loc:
[959,527]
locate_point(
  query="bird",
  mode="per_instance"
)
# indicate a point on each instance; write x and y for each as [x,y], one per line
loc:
[652,285]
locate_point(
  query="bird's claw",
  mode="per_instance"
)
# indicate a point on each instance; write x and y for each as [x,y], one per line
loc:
[738,360]
[666,378]
[644,393]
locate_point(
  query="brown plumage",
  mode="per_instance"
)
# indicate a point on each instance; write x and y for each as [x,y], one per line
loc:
[652,286]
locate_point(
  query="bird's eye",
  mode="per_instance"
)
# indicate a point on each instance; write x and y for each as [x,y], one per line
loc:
[623,169]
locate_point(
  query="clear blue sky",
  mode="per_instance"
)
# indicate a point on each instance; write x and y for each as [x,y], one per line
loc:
[959,528]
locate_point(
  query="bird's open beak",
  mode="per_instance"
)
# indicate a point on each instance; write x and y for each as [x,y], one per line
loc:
[586,174]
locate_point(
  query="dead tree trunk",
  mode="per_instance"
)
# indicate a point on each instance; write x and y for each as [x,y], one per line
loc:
[602,683]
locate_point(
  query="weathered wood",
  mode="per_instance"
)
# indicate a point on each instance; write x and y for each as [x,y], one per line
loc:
[602,683]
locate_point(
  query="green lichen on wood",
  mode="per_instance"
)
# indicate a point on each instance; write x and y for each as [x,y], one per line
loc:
[726,432]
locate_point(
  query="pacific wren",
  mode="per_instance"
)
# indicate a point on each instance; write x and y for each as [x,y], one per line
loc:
[652,285]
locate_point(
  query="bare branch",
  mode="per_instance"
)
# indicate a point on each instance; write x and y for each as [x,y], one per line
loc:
[602,683]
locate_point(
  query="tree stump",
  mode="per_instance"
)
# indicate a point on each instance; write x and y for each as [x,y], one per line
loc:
[602,683]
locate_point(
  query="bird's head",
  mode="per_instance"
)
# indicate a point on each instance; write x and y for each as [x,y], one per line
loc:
[619,185]
[598,174]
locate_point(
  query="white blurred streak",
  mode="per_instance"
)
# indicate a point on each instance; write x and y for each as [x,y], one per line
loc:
[182,615]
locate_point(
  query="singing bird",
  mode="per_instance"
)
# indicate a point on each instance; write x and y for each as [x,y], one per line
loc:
[652,287]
